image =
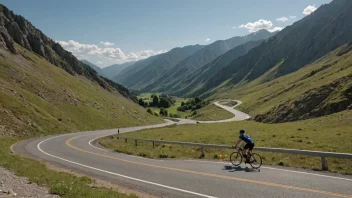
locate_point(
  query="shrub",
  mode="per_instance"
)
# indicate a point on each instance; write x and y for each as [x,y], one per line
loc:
[150,111]
[163,156]
[194,113]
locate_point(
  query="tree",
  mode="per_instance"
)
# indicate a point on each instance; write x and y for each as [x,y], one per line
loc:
[141,102]
[181,108]
[182,103]
[155,101]
[197,100]
[162,111]
[164,102]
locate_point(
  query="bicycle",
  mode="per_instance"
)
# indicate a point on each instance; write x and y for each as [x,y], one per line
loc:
[254,160]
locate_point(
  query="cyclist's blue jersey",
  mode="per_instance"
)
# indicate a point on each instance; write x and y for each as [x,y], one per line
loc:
[246,138]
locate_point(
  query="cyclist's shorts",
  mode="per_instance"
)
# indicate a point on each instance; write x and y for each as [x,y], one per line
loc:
[249,146]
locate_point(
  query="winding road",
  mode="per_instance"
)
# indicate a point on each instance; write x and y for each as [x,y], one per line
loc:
[179,177]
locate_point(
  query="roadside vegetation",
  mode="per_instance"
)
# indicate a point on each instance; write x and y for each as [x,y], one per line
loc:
[329,133]
[59,183]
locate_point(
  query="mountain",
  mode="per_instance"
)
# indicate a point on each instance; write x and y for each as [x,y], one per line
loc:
[201,58]
[318,89]
[114,70]
[146,71]
[196,78]
[45,90]
[15,29]
[96,68]
[326,29]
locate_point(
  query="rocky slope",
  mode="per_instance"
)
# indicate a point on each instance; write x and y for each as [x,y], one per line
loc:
[15,29]
[96,68]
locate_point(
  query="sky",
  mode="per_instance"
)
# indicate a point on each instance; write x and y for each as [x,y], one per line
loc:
[106,32]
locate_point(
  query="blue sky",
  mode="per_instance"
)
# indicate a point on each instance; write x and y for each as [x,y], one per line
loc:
[112,31]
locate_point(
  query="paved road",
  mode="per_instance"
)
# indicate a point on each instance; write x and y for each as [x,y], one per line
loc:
[179,178]
[238,115]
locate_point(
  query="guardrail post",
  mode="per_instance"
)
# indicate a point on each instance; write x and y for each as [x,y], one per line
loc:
[202,150]
[125,140]
[135,141]
[324,164]
[153,145]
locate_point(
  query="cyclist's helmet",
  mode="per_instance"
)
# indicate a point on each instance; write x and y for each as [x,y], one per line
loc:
[242,131]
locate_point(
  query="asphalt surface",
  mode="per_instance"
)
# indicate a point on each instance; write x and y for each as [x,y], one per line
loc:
[180,178]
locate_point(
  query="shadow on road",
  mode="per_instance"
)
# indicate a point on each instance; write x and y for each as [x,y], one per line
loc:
[239,168]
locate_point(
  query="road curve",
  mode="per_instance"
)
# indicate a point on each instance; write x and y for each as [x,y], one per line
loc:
[178,178]
[238,115]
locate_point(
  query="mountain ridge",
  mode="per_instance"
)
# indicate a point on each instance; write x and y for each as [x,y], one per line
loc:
[145,71]
[113,70]
[201,58]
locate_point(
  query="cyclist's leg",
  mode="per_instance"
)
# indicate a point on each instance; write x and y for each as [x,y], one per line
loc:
[245,151]
[250,148]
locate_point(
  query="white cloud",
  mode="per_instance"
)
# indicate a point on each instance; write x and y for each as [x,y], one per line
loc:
[257,25]
[234,27]
[309,9]
[106,43]
[275,29]
[282,19]
[207,39]
[292,17]
[107,55]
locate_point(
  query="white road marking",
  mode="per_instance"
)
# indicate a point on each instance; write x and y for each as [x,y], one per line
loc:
[229,163]
[90,143]
[279,169]
[112,173]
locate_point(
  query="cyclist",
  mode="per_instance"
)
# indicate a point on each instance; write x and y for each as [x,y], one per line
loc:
[249,144]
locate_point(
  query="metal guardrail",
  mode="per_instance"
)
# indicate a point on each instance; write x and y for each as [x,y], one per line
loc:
[320,154]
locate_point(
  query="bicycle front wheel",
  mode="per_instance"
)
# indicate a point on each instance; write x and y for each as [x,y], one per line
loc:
[255,161]
[236,158]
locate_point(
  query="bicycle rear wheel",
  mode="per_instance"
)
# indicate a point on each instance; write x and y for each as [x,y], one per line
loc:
[255,161]
[236,158]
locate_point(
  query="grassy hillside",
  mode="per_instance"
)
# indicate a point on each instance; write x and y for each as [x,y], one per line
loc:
[329,133]
[211,112]
[38,98]
[315,90]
